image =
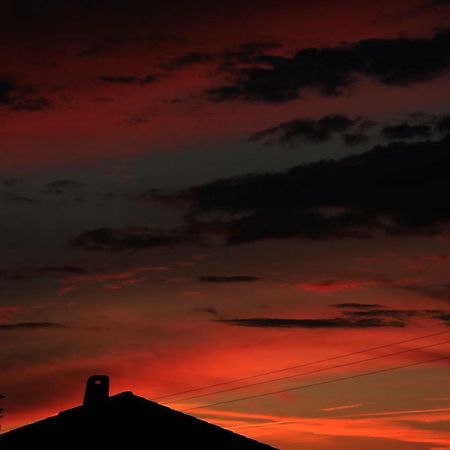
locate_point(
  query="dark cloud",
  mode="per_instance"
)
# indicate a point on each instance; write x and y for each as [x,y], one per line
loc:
[308,130]
[312,323]
[443,124]
[402,315]
[228,60]
[396,189]
[406,131]
[124,79]
[443,316]
[60,186]
[363,318]
[38,272]
[130,238]
[229,279]
[356,305]
[21,98]
[331,71]
[189,59]
[148,79]
[252,52]
[418,126]
[7,88]
[29,326]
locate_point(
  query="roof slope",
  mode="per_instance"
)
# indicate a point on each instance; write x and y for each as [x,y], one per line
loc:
[125,421]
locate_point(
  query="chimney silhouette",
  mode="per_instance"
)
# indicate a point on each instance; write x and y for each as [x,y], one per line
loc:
[97,390]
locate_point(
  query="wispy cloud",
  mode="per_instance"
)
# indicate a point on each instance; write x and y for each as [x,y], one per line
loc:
[331,286]
[342,407]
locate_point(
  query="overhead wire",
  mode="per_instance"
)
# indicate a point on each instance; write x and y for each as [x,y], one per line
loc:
[311,372]
[298,366]
[319,383]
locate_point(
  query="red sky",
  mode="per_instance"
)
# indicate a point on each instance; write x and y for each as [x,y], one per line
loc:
[126,128]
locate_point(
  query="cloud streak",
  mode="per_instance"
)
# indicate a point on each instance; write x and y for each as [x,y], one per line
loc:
[228,279]
[30,326]
[128,79]
[132,238]
[333,323]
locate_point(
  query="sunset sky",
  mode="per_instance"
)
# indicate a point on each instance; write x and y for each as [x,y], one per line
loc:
[193,192]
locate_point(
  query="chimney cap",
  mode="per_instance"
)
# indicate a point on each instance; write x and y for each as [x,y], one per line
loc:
[97,390]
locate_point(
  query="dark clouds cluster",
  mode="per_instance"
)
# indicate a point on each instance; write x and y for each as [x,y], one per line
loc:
[227,60]
[315,130]
[129,79]
[21,98]
[406,131]
[398,189]
[443,124]
[312,323]
[332,71]
[351,131]
[30,326]
[189,59]
[423,128]
[356,305]
[6,88]
[365,318]
[132,238]
[443,316]
[60,186]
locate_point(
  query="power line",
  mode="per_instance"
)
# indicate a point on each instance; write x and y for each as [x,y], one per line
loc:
[323,369]
[320,383]
[298,366]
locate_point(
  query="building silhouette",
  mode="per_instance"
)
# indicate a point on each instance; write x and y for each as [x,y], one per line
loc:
[123,421]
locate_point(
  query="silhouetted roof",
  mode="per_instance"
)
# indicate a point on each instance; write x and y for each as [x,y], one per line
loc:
[125,421]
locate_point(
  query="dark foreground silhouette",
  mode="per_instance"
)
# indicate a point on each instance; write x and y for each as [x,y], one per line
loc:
[123,421]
